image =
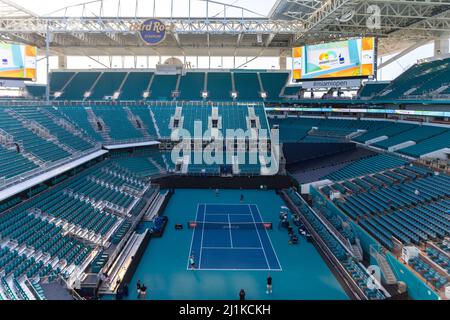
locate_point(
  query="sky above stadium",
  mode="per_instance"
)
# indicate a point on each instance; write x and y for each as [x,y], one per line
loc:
[145,7]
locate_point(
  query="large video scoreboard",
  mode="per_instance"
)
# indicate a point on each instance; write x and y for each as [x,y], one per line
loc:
[354,58]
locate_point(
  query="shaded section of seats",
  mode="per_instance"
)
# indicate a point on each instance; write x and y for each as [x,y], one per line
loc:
[108,84]
[273,83]
[80,84]
[416,134]
[390,129]
[58,80]
[219,86]
[36,91]
[134,87]
[429,145]
[191,86]
[162,87]
[247,86]
[371,89]
[365,166]
[419,75]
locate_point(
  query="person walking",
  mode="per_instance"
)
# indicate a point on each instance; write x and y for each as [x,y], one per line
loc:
[138,287]
[269,285]
[242,295]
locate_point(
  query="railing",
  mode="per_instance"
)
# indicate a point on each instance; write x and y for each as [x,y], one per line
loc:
[131,230]
[130,141]
[5,183]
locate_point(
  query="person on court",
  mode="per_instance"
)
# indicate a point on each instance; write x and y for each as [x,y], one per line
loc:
[192,262]
[138,287]
[242,198]
[242,295]
[269,284]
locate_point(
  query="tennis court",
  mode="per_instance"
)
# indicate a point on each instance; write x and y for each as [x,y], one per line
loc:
[232,237]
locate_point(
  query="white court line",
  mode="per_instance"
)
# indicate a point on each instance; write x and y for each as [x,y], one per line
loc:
[235,248]
[244,270]
[230,214]
[201,243]
[260,241]
[228,204]
[268,236]
[229,228]
[192,240]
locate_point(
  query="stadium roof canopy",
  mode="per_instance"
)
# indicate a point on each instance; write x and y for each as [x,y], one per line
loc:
[104,27]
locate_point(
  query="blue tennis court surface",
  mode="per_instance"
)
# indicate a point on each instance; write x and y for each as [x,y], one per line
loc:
[163,267]
[232,237]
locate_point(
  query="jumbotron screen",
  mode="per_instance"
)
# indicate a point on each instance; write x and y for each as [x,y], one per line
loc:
[354,58]
[17,62]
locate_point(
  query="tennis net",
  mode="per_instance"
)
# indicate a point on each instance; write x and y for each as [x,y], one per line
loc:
[230,225]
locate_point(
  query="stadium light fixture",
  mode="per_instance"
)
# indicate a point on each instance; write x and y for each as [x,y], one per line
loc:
[58,94]
[234,95]
[205,94]
[264,95]
[87,94]
[146,94]
[116,95]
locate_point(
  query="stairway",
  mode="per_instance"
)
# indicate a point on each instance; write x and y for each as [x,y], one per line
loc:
[94,120]
[40,131]
[157,165]
[137,122]
[357,250]
[388,273]
[67,125]
[155,123]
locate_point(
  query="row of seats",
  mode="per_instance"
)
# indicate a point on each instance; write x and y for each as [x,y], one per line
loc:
[416,135]
[13,163]
[419,80]
[428,272]
[411,209]
[441,259]
[142,166]
[116,119]
[16,265]
[69,139]
[44,149]
[132,86]
[354,269]
[426,138]
[365,166]
[371,89]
